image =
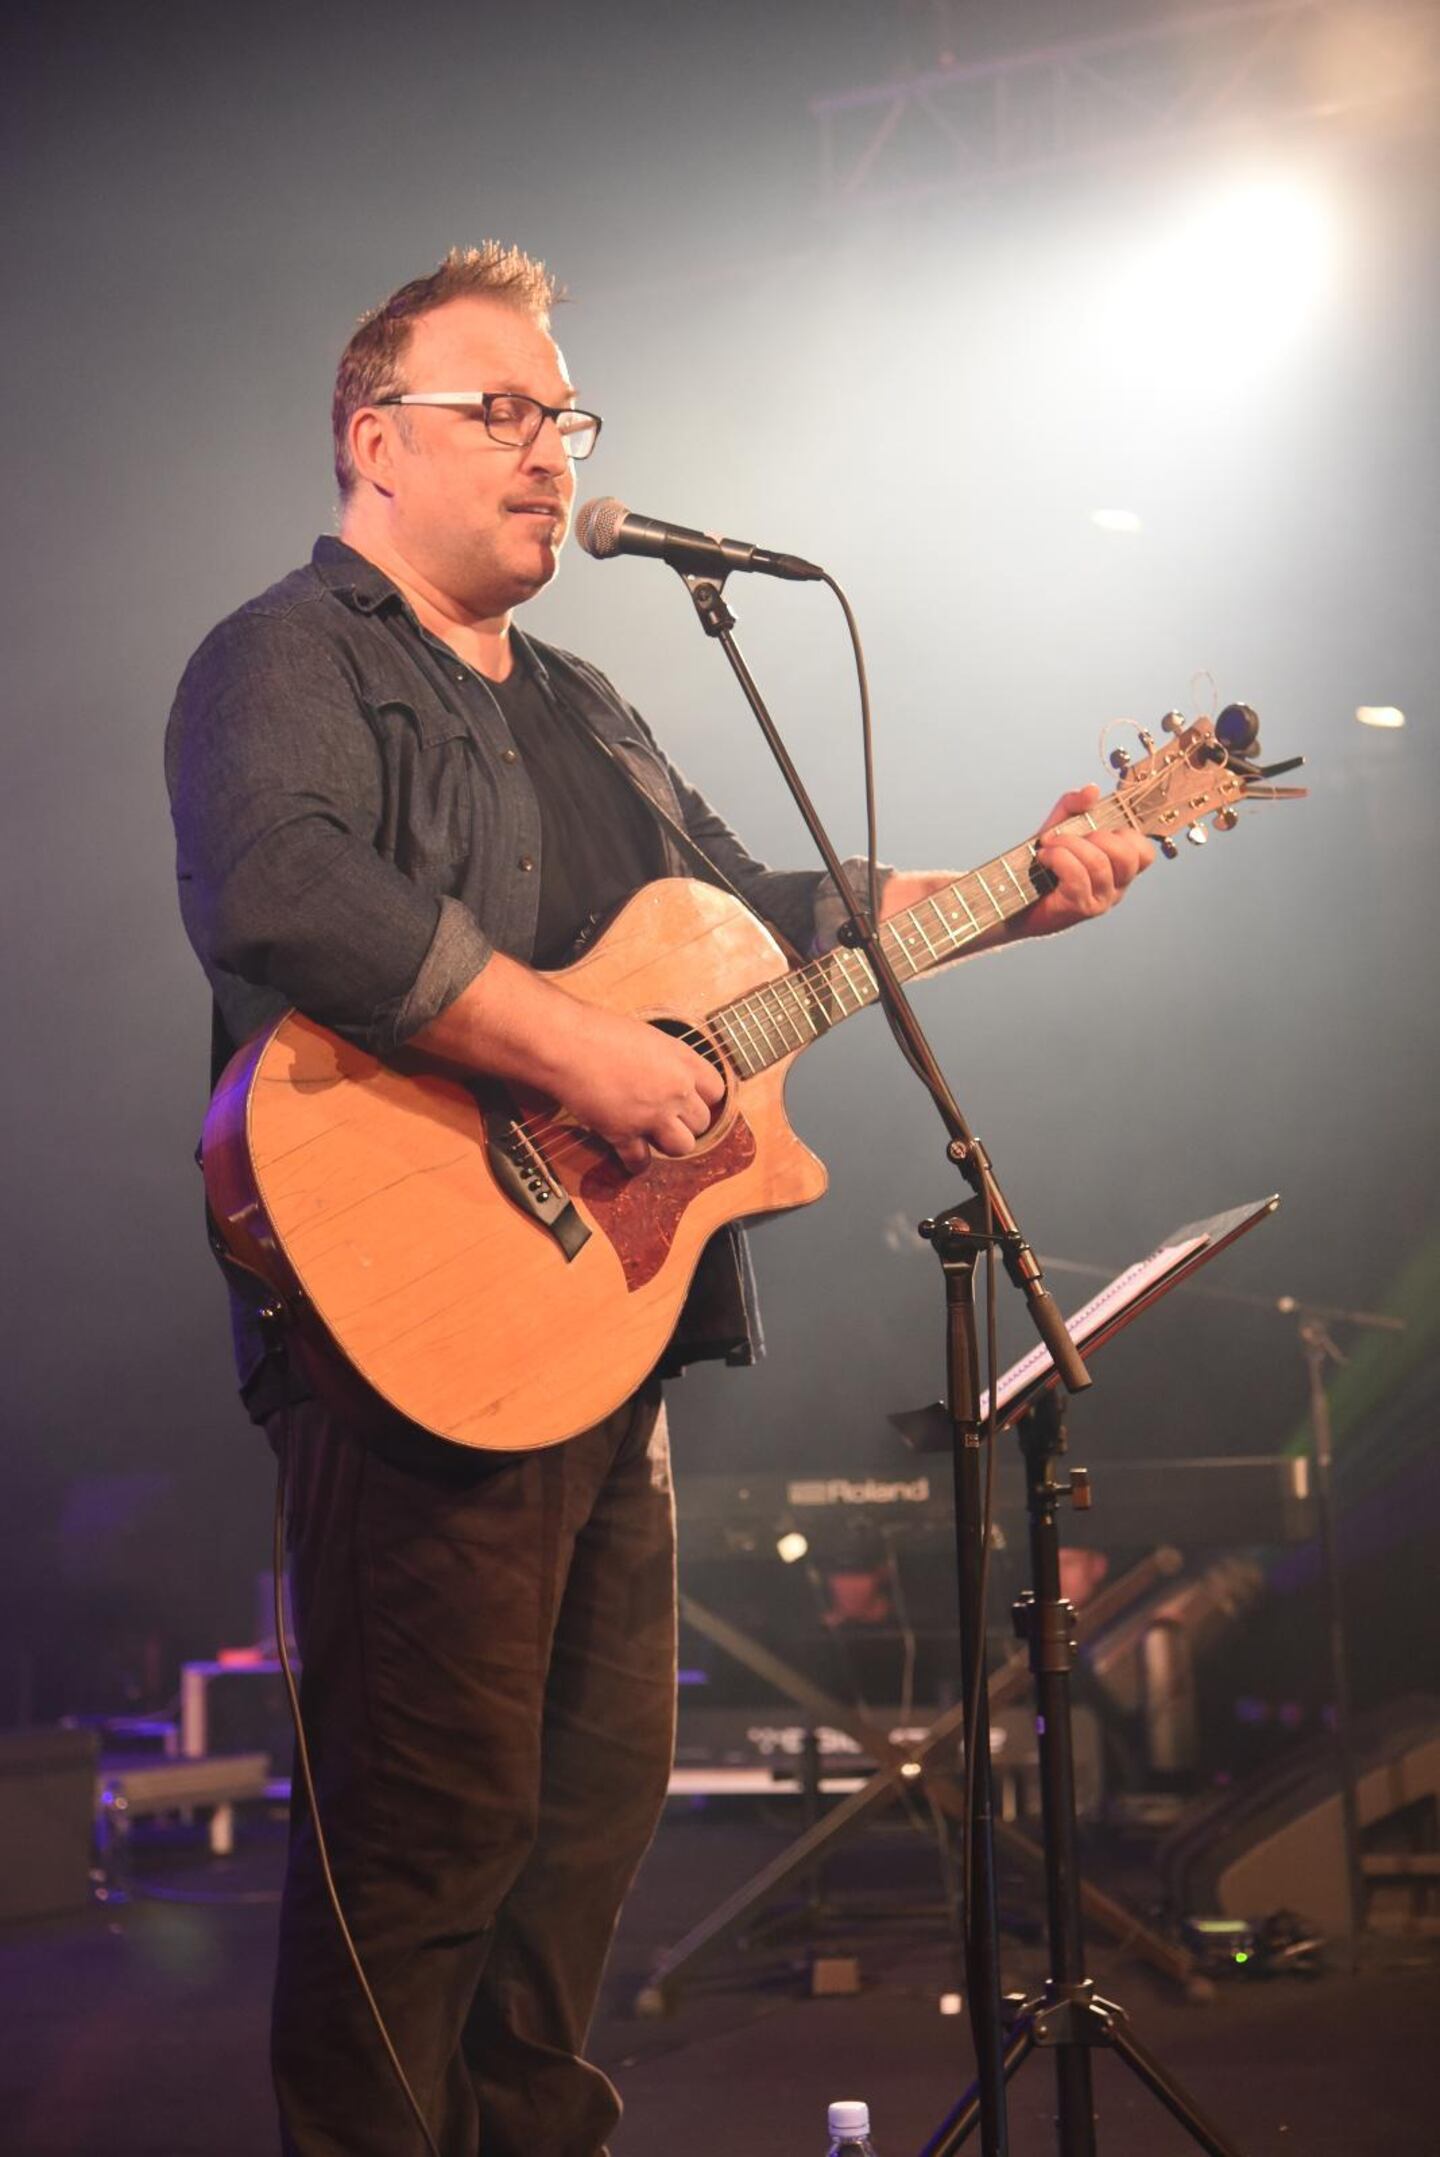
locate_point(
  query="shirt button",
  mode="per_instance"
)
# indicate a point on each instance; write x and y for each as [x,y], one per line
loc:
[509,756]
[525,863]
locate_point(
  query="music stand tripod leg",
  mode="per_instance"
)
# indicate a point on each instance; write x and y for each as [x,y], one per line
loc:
[1068,2017]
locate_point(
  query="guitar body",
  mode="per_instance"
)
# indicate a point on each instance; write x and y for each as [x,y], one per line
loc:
[365,1195]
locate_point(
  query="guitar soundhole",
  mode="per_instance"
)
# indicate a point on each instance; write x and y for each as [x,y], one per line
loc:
[694,1037]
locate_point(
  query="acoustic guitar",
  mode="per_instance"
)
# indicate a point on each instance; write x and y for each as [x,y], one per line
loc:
[485,1265]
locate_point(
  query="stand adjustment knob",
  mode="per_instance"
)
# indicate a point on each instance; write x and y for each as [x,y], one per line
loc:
[1080,1492]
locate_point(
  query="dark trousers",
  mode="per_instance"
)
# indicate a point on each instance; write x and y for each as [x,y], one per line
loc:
[488,1693]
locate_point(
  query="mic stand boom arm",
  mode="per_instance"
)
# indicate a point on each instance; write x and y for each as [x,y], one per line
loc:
[958,1236]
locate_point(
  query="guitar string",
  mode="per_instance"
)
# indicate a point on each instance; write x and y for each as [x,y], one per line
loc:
[559,1139]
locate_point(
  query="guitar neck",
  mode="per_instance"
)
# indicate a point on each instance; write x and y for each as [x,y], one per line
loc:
[787,1014]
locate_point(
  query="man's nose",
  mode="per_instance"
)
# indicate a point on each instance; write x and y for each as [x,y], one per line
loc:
[547,452]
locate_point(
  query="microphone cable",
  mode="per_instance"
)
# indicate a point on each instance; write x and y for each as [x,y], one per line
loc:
[973,1678]
[307,1779]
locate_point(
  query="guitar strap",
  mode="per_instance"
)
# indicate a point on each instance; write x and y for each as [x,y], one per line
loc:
[689,845]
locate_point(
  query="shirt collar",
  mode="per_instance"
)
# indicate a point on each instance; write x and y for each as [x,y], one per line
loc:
[355,579]
[351,577]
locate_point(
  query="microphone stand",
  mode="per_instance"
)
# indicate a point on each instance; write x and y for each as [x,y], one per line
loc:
[958,1235]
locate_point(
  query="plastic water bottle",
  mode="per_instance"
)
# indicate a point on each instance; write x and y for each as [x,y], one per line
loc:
[850,2129]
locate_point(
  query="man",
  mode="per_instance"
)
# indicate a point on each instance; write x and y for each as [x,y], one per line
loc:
[391,808]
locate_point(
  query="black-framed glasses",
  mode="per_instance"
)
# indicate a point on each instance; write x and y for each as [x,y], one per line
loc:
[511,419]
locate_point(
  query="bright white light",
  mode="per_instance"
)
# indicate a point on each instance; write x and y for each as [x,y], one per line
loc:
[951,2003]
[1116,520]
[791,1548]
[1261,250]
[1218,293]
[1379,715]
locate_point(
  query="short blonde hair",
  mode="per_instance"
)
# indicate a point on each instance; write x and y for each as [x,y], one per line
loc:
[372,364]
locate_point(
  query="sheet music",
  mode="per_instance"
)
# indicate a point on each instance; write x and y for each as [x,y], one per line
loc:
[1085,1323]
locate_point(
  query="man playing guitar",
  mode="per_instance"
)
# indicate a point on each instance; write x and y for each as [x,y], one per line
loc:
[394,812]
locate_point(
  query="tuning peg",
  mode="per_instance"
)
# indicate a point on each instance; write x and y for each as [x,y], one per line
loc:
[1197,834]
[1120,761]
[1148,739]
[1173,723]
[1168,848]
[1225,819]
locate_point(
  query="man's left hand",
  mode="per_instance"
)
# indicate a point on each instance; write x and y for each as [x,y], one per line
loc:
[1092,870]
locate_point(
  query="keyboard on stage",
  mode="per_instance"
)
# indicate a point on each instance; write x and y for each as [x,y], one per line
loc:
[1220,1503]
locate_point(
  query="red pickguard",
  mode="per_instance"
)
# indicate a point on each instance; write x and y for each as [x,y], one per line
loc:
[640,1214]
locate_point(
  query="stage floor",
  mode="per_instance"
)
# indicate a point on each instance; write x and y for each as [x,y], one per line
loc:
[138,2029]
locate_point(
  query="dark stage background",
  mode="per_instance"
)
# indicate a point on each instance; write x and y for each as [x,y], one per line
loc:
[931,395]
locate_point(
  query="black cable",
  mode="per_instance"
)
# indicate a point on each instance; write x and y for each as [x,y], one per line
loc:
[872,837]
[302,1762]
[971,1681]
[987,1529]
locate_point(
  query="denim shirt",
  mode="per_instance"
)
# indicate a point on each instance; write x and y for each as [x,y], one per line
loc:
[356,833]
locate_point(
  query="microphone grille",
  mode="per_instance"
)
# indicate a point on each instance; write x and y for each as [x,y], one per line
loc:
[597,525]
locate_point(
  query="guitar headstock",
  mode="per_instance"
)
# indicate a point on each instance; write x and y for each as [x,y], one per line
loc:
[1204,770]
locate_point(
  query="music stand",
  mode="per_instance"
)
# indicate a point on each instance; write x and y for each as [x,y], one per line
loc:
[1068,2016]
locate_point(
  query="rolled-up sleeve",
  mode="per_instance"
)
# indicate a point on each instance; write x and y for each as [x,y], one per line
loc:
[276,789]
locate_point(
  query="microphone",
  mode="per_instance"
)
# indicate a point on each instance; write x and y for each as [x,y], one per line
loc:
[607,527]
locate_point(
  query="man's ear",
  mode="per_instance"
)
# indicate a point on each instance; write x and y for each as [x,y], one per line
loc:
[372,448]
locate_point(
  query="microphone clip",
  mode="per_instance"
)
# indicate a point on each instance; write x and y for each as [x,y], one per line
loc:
[708,594]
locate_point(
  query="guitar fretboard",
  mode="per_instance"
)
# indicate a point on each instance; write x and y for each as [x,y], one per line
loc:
[789,1013]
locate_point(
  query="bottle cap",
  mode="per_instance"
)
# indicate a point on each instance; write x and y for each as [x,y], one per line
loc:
[849,2120]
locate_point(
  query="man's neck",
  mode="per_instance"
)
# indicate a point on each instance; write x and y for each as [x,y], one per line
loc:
[482,642]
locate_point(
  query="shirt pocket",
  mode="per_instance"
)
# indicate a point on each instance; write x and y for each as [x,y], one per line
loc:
[435,789]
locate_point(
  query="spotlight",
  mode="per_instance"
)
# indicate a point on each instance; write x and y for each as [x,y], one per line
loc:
[791,1548]
[1384,715]
[1246,265]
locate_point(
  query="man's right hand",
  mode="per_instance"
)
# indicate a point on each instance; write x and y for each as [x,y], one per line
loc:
[638,1088]
[626,1081]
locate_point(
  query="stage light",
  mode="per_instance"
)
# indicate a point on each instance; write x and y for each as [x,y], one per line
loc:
[1221,289]
[1116,520]
[1383,715]
[791,1548]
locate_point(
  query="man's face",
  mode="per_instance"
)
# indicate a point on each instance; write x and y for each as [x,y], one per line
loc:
[480,521]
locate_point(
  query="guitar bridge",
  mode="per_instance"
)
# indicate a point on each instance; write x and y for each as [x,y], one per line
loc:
[527,1180]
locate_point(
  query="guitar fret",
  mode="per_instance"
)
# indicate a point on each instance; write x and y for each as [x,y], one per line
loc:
[770,1021]
[920,926]
[746,1048]
[804,1016]
[969,911]
[945,925]
[719,1026]
[775,1001]
[756,1003]
[1000,914]
[960,925]
[804,1013]
[1021,894]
